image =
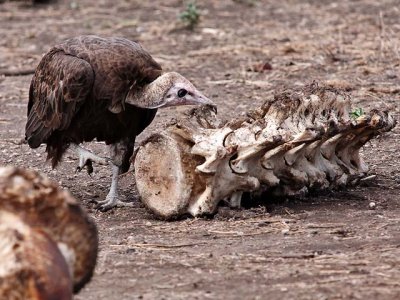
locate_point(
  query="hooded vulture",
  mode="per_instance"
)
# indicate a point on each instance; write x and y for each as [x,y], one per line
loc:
[108,89]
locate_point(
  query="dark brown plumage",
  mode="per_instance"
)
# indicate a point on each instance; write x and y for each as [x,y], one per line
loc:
[77,94]
[47,242]
[107,89]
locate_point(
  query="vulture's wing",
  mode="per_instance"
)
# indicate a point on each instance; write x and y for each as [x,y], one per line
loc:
[59,86]
[121,67]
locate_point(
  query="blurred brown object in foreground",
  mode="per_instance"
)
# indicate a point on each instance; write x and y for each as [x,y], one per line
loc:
[48,245]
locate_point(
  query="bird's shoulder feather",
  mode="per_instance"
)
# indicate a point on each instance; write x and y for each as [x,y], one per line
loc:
[119,65]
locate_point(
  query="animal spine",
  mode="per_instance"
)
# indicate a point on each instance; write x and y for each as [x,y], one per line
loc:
[299,141]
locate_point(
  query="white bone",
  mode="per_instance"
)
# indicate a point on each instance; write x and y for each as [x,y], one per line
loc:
[301,140]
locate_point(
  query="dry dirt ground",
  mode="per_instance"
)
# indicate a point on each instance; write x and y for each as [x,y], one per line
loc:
[329,246]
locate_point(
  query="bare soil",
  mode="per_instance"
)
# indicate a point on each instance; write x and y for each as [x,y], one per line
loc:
[325,246]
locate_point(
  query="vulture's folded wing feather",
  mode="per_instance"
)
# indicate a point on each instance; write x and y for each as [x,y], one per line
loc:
[59,87]
[121,66]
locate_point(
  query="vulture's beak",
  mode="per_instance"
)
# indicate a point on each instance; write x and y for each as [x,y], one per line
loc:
[194,98]
[199,98]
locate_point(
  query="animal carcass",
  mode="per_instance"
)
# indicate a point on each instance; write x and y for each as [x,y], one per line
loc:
[301,140]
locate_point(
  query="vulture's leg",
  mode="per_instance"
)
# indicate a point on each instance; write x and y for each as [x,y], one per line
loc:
[120,154]
[112,196]
[86,158]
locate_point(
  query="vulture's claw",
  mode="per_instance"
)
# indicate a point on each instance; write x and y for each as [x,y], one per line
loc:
[89,167]
[87,158]
[106,205]
[93,201]
[104,208]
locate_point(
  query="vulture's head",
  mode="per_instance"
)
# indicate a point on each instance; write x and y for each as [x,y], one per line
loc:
[170,89]
[182,92]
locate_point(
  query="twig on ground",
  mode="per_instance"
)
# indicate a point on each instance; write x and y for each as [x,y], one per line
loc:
[20,72]
[240,233]
[325,225]
[160,246]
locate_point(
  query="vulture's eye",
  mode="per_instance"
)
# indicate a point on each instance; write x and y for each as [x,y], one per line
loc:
[182,93]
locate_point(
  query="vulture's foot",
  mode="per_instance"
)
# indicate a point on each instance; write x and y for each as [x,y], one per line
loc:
[108,204]
[86,159]
[89,167]
[112,197]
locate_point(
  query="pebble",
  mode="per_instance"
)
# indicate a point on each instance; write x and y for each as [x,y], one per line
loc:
[372,205]
[285,231]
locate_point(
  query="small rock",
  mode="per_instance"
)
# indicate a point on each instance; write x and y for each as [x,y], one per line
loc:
[391,74]
[340,84]
[260,67]
[285,231]
[372,205]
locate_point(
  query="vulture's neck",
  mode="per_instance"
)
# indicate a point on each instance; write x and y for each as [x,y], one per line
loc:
[152,94]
